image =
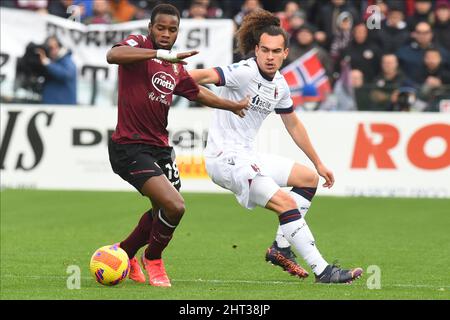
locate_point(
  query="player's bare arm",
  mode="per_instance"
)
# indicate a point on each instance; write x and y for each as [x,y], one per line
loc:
[205,76]
[208,98]
[127,54]
[298,133]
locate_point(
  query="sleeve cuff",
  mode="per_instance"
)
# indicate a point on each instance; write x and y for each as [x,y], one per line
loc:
[284,110]
[221,77]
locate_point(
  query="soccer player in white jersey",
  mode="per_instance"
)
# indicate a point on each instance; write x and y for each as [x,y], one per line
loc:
[256,179]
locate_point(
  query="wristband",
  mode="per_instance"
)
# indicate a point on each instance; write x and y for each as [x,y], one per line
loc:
[167,55]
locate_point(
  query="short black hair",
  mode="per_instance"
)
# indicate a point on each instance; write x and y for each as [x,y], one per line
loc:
[432,49]
[164,9]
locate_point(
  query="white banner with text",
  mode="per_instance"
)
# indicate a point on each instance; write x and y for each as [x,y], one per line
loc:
[97,80]
[371,154]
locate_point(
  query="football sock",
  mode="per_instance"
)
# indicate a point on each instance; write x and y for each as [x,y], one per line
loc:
[280,239]
[297,232]
[303,198]
[140,235]
[160,236]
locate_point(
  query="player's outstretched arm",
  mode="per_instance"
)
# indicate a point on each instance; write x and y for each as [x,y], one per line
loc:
[298,133]
[205,76]
[127,54]
[208,98]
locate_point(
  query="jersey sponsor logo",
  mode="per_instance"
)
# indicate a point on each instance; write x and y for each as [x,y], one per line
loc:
[156,98]
[163,82]
[260,105]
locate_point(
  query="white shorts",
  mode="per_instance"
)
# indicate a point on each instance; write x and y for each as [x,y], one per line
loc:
[236,171]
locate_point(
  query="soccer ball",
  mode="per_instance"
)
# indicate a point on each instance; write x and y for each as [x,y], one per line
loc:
[110,265]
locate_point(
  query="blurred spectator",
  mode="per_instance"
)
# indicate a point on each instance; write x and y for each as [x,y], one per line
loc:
[436,79]
[341,38]
[406,100]
[8,4]
[60,8]
[247,7]
[411,55]
[302,41]
[386,85]
[442,24]
[364,54]
[143,8]
[394,31]
[327,20]
[197,10]
[360,90]
[122,10]
[290,8]
[101,13]
[35,5]
[297,19]
[60,86]
[86,8]
[211,8]
[343,95]
[423,13]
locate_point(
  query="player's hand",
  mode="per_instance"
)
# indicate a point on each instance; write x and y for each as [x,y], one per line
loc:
[325,173]
[240,106]
[174,57]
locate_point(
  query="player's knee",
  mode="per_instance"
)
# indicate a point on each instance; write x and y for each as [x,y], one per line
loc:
[311,180]
[176,207]
[315,180]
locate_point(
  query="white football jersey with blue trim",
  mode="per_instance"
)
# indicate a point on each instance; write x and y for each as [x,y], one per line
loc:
[228,131]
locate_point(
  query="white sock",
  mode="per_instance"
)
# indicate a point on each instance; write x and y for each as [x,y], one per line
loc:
[300,237]
[280,239]
[303,205]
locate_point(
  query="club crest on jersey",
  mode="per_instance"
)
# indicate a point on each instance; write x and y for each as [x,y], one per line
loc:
[163,82]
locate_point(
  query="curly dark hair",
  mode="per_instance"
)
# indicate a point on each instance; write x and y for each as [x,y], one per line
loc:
[254,25]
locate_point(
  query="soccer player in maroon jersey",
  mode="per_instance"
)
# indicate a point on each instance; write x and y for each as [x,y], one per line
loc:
[149,75]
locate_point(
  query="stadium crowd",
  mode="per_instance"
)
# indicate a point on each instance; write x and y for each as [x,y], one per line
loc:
[402,64]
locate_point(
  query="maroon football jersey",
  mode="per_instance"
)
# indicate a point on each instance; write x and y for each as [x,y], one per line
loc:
[145,95]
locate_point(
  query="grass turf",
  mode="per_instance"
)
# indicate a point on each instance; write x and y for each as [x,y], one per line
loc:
[218,250]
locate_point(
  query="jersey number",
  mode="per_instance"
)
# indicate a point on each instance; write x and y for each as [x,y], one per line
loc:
[172,171]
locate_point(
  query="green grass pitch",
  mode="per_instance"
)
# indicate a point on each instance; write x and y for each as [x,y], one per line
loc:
[218,250]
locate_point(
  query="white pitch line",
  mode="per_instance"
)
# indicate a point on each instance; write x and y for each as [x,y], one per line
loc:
[217,281]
